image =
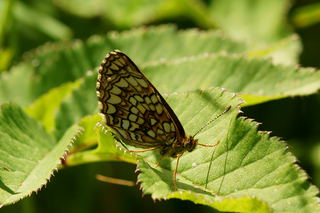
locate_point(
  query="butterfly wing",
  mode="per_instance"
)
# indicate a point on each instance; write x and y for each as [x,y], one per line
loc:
[132,106]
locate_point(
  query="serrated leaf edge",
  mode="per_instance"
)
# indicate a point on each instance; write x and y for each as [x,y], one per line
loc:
[62,158]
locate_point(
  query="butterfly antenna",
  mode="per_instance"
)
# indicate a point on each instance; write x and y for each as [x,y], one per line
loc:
[225,111]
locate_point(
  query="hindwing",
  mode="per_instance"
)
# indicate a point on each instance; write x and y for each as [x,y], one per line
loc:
[133,107]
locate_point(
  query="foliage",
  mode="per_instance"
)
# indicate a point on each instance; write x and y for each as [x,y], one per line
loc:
[49,96]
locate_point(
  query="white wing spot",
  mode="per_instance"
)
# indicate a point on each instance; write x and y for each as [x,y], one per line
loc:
[142,82]
[125,124]
[122,133]
[153,121]
[122,61]
[141,108]
[122,83]
[134,110]
[134,126]
[173,129]
[166,127]
[154,99]
[147,100]
[140,121]
[104,118]
[111,109]
[159,109]
[100,105]
[122,71]
[139,98]
[133,101]
[114,67]
[151,133]
[117,62]
[114,99]
[146,106]
[133,117]
[151,106]
[133,136]
[132,81]
[99,77]
[160,132]
[115,90]
[109,72]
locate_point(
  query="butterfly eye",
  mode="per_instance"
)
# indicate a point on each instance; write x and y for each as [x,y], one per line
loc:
[190,143]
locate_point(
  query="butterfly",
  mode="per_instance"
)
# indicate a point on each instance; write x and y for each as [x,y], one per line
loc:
[137,113]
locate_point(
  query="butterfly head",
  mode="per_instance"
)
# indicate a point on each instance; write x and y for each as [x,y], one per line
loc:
[190,143]
[179,147]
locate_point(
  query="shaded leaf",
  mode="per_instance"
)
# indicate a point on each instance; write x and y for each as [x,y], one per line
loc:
[125,14]
[240,204]
[28,154]
[41,21]
[106,150]
[307,15]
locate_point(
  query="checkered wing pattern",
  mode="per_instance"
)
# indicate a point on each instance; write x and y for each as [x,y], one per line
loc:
[133,107]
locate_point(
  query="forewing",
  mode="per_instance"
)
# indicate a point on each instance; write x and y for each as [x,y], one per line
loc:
[131,105]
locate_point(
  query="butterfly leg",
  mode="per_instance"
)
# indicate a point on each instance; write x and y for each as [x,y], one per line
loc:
[144,150]
[175,173]
[158,162]
[206,145]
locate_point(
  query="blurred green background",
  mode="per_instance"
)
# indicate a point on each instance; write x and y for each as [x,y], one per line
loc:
[25,25]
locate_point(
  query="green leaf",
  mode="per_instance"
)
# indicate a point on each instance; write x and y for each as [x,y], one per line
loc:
[244,163]
[88,137]
[285,51]
[194,111]
[306,16]
[240,204]
[245,20]
[141,43]
[54,64]
[41,21]
[5,9]
[6,56]
[45,106]
[16,85]
[83,9]
[81,102]
[127,14]
[29,154]
[258,79]
[253,23]
[106,150]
